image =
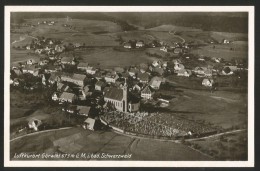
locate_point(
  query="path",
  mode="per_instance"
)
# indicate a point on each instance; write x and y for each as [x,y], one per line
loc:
[39,132]
[173,34]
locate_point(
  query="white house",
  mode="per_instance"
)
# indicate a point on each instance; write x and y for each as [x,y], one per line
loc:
[207,82]
[146,93]
[184,73]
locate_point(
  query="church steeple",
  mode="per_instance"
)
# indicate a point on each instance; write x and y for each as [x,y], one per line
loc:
[125,102]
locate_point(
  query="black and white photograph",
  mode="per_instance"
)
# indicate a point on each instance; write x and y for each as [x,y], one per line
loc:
[129,86]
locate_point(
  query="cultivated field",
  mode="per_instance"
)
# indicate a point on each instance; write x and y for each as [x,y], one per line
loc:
[80,140]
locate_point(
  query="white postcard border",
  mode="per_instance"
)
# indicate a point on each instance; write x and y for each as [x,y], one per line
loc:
[251,102]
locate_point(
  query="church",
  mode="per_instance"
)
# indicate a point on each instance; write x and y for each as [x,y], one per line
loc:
[121,99]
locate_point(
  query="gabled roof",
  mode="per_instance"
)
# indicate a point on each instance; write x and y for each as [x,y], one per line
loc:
[134,70]
[80,77]
[146,90]
[90,122]
[100,83]
[83,109]
[81,64]
[143,76]
[66,95]
[114,93]
[159,70]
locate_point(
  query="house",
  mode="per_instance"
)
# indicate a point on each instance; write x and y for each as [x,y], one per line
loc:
[177,50]
[208,73]
[156,63]
[77,79]
[32,69]
[200,70]
[158,70]
[17,72]
[31,62]
[184,73]
[143,67]
[52,68]
[68,60]
[164,48]
[111,77]
[100,85]
[178,67]
[63,87]
[43,62]
[207,82]
[83,110]
[133,71]
[225,41]
[133,103]
[84,92]
[127,46]
[34,124]
[59,48]
[139,44]
[82,66]
[155,84]
[147,93]
[91,70]
[15,82]
[67,97]
[54,77]
[55,96]
[89,123]
[143,77]
[176,61]
[39,51]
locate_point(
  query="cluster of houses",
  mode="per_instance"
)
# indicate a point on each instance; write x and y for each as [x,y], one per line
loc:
[121,89]
[49,23]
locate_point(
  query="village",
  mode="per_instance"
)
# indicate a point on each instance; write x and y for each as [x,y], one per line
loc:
[117,97]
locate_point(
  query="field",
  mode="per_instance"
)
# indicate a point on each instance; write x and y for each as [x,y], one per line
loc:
[84,141]
[106,57]
[224,51]
[226,147]
[221,108]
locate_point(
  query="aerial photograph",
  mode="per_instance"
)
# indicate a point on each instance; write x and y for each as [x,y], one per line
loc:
[128,86]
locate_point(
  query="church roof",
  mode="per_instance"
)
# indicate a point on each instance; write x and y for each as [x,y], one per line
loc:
[114,93]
